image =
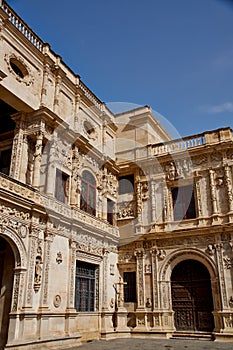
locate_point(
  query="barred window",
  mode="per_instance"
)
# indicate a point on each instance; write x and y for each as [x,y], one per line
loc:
[85,286]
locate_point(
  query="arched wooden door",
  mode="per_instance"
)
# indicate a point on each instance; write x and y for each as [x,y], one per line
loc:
[7,264]
[192,300]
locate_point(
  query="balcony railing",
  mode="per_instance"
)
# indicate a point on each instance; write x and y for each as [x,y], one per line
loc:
[39,44]
[178,145]
[52,205]
[22,27]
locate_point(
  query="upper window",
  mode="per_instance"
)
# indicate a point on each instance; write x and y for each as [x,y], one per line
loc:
[126,184]
[18,68]
[110,213]
[88,193]
[183,203]
[62,186]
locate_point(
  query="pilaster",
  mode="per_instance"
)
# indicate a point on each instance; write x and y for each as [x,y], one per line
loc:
[213,196]
[37,159]
[228,180]
[153,201]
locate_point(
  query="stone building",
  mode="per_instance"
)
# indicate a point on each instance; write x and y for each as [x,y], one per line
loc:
[108,227]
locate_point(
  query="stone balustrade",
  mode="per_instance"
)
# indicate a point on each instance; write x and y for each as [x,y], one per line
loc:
[22,27]
[52,205]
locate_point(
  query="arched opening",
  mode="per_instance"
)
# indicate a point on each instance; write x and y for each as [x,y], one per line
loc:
[7,263]
[88,193]
[192,300]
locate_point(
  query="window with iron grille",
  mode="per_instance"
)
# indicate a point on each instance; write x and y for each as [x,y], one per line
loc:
[85,286]
[88,193]
[129,287]
[183,203]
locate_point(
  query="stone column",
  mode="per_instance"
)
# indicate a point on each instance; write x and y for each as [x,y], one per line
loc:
[213,192]
[76,111]
[141,314]
[57,94]
[72,271]
[139,253]
[154,265]
[228,177]
[106,314]
[17,303]
[222,278]
[17,147]
[33,237]
[197,181]
[46,267]
[139,201]
[37,160]
[43,100]
[153,201]
[71,314]
[166,209]
[105,280]
[24,160]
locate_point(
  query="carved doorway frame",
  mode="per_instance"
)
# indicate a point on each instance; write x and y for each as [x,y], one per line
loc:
[165,273]
[192,300]
[17,247]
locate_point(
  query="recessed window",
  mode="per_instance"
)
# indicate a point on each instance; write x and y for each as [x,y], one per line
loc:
[18,68]
[62,186]
[110,213]
[5,161]
[183,203]
[88,193]
[129,287]
[126,184]
[89,129]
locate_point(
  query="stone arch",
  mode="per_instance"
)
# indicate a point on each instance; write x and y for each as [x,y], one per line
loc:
[184,254]
[17,245]
[180,255]
[14,280]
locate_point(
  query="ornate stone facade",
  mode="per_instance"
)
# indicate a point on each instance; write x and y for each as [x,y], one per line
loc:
[95,234]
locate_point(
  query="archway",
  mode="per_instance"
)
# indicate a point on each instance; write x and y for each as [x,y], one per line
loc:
[192,300]
[7,263]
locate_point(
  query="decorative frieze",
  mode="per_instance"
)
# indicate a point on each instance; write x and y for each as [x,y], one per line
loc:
[126,210]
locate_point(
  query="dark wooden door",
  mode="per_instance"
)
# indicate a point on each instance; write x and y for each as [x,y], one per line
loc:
[192,301]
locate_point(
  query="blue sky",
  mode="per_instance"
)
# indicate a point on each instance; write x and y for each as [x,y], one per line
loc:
[174,55]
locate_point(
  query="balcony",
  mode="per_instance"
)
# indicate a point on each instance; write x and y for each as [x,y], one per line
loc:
[57,209]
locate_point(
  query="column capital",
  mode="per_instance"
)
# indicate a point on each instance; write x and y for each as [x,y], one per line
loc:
[139,253]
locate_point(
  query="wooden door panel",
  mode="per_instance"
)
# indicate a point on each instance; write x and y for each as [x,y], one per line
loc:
[192,297]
